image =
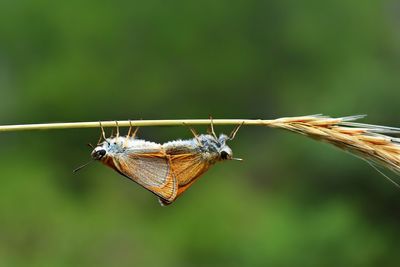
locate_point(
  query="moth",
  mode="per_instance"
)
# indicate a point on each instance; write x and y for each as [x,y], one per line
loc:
[141,161]
[166,170]
[191,158]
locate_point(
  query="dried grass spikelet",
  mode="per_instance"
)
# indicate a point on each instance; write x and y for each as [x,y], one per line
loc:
[373,143]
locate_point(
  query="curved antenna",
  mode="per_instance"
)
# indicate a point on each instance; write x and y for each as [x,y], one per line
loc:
[82,166]
[87,163]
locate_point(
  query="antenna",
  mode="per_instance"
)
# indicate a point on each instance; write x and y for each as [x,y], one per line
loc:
[83,166]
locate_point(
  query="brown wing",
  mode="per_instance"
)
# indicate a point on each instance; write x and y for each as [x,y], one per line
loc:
[152,171]
[187,168]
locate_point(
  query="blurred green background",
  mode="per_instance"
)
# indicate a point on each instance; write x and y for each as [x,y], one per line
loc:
[292,202]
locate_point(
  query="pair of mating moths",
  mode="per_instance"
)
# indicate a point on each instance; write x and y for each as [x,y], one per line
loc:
[168,169]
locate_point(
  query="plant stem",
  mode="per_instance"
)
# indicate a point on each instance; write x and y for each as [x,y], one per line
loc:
[126,123]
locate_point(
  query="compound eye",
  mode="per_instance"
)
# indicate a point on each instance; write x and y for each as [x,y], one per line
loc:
[224,155]
[99,154]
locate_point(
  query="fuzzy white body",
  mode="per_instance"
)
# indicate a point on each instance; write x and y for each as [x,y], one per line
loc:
[205,145]
[122,144]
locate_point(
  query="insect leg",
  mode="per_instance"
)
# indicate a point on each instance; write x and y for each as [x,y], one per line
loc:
[212,128]
[135,132]
[196,136]
[116,123]
[234,131]
[102,134]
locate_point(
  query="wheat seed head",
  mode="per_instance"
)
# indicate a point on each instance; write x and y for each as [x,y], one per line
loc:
[374,143]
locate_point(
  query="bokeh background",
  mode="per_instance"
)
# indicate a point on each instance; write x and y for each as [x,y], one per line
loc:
[292,202]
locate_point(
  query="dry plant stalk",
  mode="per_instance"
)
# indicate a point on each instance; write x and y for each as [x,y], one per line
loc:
[373,143]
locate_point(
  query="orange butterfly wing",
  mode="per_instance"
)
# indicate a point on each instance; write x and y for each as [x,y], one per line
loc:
[187,168]
[150,170]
